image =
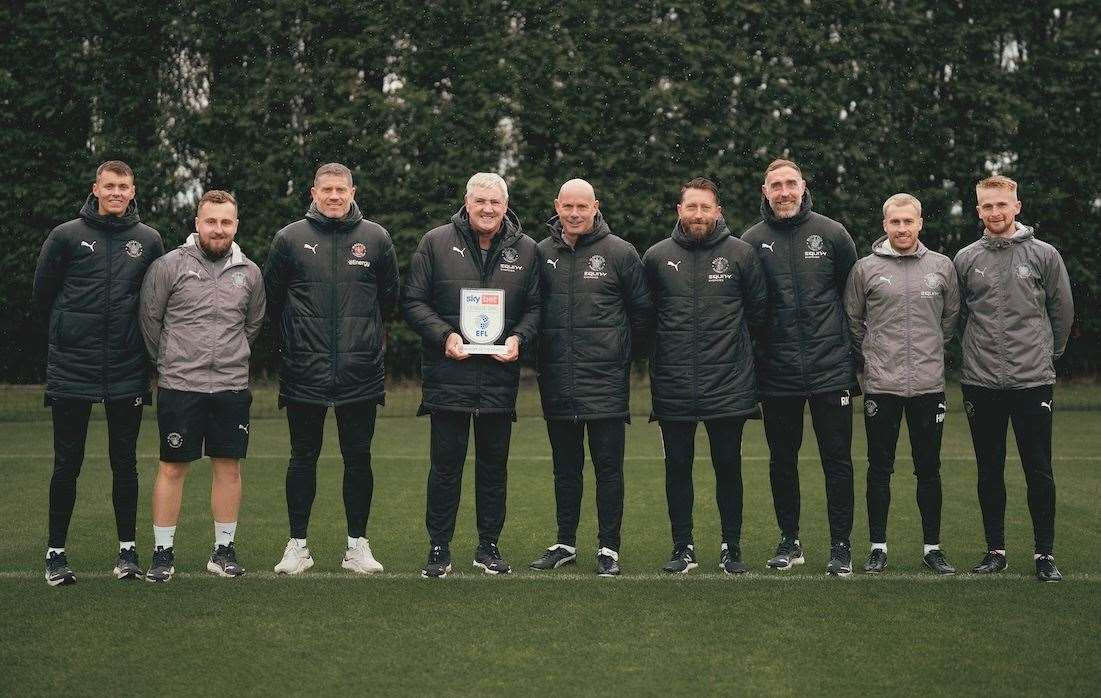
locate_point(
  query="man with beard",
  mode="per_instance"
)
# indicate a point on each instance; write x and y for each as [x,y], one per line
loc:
[482,248]
[902,302]
[202,305]
[804,357]
[596,310]
[86,282]
[331,280]
[1015,321]
[710,295]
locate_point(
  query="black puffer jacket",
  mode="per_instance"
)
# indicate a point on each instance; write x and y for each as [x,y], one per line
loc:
[447,261]
[806,259]
[88,278]
[596,307]
[709,294]
[330,283]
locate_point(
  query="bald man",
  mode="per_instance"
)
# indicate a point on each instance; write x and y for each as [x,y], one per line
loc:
[596,312]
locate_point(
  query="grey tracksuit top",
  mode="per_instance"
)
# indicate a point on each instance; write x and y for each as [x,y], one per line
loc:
[199,318]
[902,310]
[1016,310]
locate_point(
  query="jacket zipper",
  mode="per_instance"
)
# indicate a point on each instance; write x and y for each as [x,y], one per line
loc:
[569,326]
[107,320]
[692,254]
[332,320]
[798,308]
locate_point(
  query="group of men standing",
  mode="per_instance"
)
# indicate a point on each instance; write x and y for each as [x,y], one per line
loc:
[784,315]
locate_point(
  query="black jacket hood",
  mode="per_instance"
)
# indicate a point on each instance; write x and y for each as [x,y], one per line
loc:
[717,235]
[599,232]
[334,225]
[91,215]
[769,216]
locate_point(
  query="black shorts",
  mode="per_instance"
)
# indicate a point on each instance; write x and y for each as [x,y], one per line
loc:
[196,424]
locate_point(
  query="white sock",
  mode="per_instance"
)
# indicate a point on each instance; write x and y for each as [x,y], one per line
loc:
[1000,552]
[164,536]
[1037,556]
[126,545]
[609,552]
[880,546]
[224,532]
[300,542]
[926,548]
[352,542]
[59,551]
[571,549]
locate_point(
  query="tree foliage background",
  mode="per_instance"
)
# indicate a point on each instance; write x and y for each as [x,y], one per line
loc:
[871,98]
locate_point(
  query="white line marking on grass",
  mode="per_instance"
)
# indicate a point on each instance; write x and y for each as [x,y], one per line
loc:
[751,578]
[424,457]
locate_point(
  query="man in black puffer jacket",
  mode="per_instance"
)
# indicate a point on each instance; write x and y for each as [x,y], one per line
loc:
[331,280]
[709,294]
[482,247]
[596,309]
[87,281]
[805,357]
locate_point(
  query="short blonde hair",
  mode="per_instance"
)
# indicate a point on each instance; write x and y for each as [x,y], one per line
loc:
[216,196]
[997,182]
[902,199]
[486,180]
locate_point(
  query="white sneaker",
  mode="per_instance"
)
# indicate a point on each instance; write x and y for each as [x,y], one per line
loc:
[296,560]
[359,559]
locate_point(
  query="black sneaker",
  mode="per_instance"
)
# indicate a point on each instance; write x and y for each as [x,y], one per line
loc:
[730,560]
[991,563]
[1046,571]
[841,559]
[127,567]
[553,558]
[163,566]
[488,559]
[223,562]
[936,561]
[788,554]
[58,572]
[682,560]
[439,562]
[876,562]
[607,563]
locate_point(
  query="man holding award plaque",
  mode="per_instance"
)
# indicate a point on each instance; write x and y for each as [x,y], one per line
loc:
[596,313]
[472,294]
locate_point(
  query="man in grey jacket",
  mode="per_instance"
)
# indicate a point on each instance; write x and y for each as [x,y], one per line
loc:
[902,302]
[1015,321]
[202,306]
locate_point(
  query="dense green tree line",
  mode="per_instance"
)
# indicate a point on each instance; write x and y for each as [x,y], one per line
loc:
[871,98]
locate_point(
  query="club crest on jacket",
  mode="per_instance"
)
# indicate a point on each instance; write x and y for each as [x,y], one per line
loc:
[133,248]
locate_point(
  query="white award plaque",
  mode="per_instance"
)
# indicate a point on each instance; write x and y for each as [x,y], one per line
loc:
[482,320]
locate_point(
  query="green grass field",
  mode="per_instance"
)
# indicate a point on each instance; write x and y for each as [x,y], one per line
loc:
[565,631]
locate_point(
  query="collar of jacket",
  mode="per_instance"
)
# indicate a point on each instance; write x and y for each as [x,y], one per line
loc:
[91,215]
[191,247]
[882,247]
[1020,234]
[509,232]
[719,233]
[769,217]
[334,225]
[600,231]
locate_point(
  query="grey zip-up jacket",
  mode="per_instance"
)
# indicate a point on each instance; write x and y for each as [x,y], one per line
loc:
[200,317]
[1016,310]
[902,310]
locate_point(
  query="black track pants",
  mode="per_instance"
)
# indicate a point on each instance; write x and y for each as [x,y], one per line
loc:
[606,441]
[679,440]
[355,426]
[70,424]
[449,439]
[925,423]
[989,413]
[832,423]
